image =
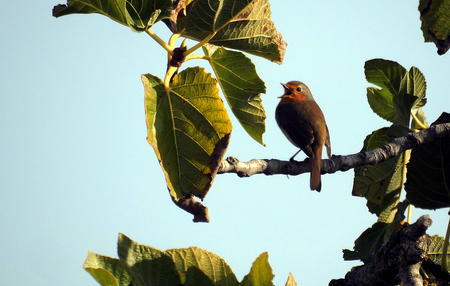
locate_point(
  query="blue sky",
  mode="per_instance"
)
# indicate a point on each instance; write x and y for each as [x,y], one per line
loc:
[76,169]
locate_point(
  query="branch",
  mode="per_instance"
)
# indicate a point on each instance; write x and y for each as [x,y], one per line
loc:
[337,162]
[397,262]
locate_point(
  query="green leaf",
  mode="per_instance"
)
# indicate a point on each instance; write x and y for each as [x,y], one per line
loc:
[428,177]
[142,265]
[212,266]
[368,243]
[154,87]
[243,25]
[195,277]
[386,74]
[436,249]
[399,90]
[380,100]
[436,23]
[241,87]
[139,15]
[380,184]
[416,86]
[106,270]
[191,128]
[260,273]
[147,265]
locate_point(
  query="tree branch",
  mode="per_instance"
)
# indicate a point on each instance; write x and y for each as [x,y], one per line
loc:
[397,262]
[337,162]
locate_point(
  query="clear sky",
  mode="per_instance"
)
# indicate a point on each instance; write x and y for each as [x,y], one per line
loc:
[76,170]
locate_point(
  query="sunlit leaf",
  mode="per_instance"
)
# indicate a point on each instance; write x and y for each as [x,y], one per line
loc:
[436,250]
[212,266]
[142,265]
[260,273]
[417,86]
[242,25]
[429,173]
[241,87]
[147,265]
[106,270]
[137,14]
[191,130]
[290,281]
[435,23]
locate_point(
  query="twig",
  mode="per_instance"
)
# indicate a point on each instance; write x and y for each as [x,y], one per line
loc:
[337,162]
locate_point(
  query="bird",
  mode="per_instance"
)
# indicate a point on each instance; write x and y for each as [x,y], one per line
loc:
[303,123]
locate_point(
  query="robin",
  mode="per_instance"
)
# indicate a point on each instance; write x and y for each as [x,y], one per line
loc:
[303,123]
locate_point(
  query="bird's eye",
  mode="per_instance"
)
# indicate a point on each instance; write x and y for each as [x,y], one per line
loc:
[299,89]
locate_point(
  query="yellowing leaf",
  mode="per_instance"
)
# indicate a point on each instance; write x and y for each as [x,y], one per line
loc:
[290,281]
[260,273]
[189,131]
[106,270]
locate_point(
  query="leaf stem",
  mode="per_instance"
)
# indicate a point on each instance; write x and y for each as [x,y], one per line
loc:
[417,120]
[163,44]
[170,72]
[173,39]
[406,156]
[408,218]
[204,41]
[444,251]
[197,56]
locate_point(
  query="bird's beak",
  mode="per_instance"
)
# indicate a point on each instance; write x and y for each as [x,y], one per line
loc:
[287,90]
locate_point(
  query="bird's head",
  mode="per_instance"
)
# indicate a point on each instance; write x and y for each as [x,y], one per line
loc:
[295,91]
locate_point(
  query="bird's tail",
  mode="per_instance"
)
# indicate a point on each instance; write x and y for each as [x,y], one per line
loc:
[316,164]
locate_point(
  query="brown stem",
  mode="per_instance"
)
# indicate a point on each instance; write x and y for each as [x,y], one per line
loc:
[189,204]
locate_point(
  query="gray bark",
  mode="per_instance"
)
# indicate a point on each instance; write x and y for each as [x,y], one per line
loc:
[337,162]
[397,262]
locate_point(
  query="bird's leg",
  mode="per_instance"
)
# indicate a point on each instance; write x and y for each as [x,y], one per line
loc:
[292,158]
